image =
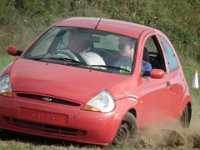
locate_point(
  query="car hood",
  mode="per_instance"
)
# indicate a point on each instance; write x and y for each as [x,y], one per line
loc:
[74,83]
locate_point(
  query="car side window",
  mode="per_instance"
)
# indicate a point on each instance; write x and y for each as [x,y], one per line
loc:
[44,43]
[154,52]
[171,57]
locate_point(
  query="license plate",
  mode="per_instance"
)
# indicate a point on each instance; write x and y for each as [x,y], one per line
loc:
[43,117]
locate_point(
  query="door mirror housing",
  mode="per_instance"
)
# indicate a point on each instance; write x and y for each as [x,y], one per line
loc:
[157,73]
[13,51]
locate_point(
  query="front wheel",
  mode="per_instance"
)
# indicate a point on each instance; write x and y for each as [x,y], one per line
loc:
[127,131]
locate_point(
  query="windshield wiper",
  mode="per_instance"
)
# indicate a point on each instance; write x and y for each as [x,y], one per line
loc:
[54,58]
[111,68]
[35,58]
[69,61]
[63,60]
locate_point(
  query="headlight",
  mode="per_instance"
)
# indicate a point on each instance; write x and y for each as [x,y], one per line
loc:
[5,87]
[102,102]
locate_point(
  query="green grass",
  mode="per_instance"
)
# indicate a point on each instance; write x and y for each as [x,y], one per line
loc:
[16,145]
[189,73]
[4,60]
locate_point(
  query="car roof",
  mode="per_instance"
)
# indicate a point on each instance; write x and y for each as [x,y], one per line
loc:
[111,25]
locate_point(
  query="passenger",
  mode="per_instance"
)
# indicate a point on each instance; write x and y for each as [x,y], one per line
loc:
[126,47]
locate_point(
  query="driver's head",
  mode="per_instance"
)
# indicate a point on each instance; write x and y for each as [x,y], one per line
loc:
[78,42]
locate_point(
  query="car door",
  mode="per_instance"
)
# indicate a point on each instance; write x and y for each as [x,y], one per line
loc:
[155,96]
[176,78]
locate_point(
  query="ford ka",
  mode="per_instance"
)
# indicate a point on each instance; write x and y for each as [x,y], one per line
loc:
[93,80]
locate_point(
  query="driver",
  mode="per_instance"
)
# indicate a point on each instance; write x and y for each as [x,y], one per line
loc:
[80,49]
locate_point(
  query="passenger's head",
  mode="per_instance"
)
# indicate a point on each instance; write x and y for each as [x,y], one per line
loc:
[78,42]
[126,46]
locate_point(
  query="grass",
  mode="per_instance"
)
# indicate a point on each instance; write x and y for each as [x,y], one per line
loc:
[189,72]
[4,60]
[15,145]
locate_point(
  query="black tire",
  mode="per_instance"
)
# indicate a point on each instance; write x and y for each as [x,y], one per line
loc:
[127,131]
[186,117]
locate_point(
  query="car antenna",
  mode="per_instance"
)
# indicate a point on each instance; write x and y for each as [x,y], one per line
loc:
[98,23]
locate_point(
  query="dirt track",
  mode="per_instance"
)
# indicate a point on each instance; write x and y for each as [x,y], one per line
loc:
[173,137]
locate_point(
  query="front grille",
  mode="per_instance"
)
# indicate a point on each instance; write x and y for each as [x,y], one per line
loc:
[45,128]
[48,99]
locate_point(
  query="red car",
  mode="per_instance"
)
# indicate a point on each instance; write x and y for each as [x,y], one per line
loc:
[94,81]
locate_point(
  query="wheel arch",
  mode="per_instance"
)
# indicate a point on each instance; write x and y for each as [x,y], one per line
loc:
[133,112]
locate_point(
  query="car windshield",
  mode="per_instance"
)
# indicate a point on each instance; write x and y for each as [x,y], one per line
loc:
[86,48]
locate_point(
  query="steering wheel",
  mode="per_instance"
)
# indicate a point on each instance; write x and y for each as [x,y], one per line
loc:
[68,54]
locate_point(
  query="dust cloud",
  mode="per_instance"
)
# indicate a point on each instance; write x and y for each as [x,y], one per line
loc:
[171,136]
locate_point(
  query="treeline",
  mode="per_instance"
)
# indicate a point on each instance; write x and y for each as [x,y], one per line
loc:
[22,20]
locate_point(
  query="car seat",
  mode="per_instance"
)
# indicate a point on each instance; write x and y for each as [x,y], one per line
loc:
[146,54]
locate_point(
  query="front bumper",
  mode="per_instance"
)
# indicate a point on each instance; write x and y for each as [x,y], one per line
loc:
[59,121]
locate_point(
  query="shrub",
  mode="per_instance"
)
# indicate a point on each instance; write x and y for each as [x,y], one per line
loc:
[22,20]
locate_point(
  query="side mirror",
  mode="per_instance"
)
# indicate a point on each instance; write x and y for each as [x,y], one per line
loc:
[13,50]
[157,73]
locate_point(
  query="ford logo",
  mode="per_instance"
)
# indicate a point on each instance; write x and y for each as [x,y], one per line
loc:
[47,99]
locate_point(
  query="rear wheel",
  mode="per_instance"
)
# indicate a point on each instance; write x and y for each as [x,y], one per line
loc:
[186,117]
[127,131]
